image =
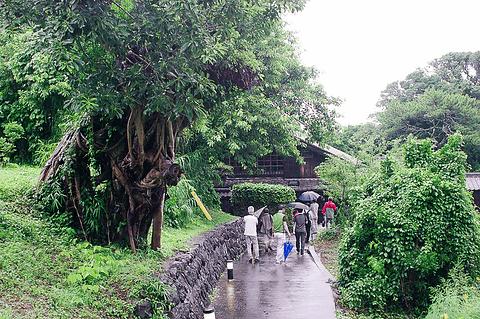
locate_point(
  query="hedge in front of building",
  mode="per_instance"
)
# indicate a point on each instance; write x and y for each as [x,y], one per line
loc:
[261,194]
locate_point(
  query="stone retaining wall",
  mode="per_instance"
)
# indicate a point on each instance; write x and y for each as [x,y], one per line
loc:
[194,274]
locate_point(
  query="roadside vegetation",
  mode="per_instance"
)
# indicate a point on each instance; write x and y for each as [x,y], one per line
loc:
[47,272]
[410,245]
[409,242]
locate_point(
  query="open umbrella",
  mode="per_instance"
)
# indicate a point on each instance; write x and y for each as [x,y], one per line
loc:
[308,196]
[297,205]
[259,211]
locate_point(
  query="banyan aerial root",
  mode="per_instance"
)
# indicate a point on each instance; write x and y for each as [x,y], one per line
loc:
[136,165]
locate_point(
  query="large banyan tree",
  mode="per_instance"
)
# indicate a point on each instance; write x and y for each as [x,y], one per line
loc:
[141,72]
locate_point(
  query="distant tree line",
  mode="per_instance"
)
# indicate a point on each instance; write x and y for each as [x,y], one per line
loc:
[433,102]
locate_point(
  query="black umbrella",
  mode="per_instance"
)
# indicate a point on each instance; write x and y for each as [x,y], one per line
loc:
[308,196]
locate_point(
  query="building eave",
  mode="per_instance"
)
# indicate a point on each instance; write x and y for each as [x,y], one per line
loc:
[332,151]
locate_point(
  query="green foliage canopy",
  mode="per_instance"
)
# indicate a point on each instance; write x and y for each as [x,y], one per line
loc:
[435,102]
[455,72]
[436,115]
[139,73]
[286,103]
[34,84]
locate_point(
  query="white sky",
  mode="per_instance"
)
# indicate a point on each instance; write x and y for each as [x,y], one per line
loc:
[361,46]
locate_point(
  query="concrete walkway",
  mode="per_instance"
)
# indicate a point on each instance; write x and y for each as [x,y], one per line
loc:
[295,290]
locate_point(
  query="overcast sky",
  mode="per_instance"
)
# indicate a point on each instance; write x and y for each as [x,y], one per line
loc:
[361,46]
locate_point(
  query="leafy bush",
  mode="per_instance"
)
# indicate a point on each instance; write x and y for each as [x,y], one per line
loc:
[260,194]
[156,293]
[202,175]
[6,150]
[414,223]
[180,205]
[12,132]
[99,264]
[456,298]
[43,151]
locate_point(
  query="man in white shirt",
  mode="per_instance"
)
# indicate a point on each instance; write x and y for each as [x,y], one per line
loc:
[251,222]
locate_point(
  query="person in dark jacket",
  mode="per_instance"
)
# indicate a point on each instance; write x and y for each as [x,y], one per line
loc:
[265,229]
[300,229]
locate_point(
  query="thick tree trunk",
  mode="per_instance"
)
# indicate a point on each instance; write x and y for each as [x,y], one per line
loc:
[158,225]
[137,165]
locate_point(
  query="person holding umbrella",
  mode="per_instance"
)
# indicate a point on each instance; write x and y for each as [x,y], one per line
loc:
[300,229]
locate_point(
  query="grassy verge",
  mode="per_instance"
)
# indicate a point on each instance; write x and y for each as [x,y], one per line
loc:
[46,272]
[326,244]
[16,180]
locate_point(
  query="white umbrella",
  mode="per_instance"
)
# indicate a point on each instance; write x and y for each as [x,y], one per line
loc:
[259,211]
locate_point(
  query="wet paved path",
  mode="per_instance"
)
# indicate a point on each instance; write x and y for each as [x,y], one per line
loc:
[295,290]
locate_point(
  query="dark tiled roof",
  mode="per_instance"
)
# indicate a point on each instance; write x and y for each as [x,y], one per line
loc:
[473,181]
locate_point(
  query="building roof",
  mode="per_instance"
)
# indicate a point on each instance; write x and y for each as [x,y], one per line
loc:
[340,154]
[473,181]
[330,150]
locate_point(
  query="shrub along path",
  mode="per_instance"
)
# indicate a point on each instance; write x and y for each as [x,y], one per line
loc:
[47,272]
[297,289]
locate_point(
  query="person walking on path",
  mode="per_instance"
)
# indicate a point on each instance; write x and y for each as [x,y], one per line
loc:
[300,229]
[321,217]
[328,211]
[265,228]
[280,228]
[314,220]
[251,222]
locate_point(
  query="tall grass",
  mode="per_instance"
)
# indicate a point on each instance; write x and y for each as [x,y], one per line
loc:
[456,298]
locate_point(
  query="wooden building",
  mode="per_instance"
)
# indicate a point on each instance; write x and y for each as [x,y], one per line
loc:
[473,185]
[277,169]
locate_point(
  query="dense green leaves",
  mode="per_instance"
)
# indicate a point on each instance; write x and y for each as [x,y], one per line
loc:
[415,223]
[33,86]
[260,194]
